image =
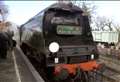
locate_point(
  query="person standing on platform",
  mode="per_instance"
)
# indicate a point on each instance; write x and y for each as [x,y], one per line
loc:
[6,39]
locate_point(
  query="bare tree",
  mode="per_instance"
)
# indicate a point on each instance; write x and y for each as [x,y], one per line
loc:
[102,22]
[117,27]
[3,10]
[3,15]
[88,8]
[109,23]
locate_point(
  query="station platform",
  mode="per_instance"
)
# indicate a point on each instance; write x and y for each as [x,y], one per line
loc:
[17,68]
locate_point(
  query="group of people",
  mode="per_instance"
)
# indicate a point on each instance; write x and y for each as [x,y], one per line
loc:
[6,42]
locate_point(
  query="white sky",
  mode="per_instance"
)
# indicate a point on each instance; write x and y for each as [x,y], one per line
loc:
[21,11]
[110,9]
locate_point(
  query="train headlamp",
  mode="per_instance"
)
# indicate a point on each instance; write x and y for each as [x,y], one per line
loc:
[92,56]
[54,47]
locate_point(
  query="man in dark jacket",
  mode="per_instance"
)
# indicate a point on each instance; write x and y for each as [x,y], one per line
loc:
[6,43]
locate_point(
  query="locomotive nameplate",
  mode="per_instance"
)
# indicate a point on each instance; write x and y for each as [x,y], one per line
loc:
[69,30]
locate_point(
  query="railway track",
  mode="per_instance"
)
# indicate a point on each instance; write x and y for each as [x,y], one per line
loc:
[106,74]
[109,75]
[111,59]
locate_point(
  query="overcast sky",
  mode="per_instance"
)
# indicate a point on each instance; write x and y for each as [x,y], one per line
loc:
[21,11]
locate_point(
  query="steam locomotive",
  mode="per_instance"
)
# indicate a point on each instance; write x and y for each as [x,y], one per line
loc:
[59,37]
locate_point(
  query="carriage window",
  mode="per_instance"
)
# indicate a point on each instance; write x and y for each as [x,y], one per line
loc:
[69,30]
[35,24]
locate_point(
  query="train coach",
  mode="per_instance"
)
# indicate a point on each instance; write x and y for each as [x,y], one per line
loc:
[60,39]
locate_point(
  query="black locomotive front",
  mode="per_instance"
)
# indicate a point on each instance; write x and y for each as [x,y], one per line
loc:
[60,33]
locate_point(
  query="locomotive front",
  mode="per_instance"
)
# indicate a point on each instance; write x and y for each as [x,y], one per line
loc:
[60,38]
[68,39]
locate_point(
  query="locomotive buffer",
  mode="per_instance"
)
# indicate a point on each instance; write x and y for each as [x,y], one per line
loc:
[17,68]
